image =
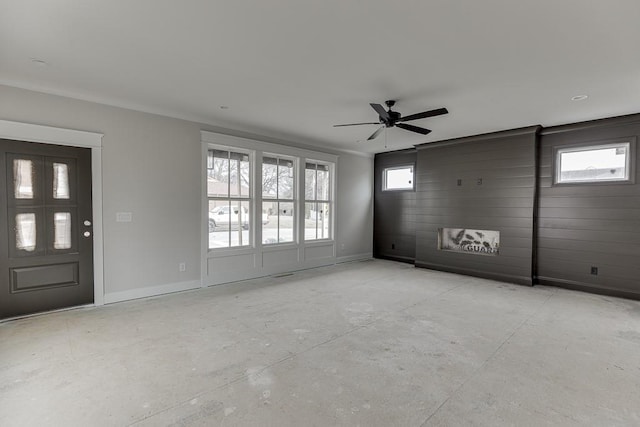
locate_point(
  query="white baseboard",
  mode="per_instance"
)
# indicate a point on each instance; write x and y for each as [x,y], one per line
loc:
[357,257]
[168,288]
[150,291]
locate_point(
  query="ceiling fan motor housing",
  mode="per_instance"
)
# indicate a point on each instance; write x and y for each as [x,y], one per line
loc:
[393,118]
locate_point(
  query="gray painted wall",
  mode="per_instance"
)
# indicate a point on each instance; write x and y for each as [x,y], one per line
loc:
[504,201]
[151,167]
[394,222]
[587,225]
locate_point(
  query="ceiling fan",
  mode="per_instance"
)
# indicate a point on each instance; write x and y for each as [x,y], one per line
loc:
[393,118]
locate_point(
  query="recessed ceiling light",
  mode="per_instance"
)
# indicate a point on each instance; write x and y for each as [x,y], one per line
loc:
[579,97]
[39,62]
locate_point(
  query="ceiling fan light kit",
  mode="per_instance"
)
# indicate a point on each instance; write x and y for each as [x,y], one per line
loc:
[389,119]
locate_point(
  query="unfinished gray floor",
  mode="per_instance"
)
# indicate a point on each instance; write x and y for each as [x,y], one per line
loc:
[373,343]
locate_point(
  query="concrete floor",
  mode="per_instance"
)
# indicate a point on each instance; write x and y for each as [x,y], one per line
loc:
[373,343]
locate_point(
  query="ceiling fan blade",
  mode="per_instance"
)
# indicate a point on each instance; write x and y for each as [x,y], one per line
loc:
[357,124]
[424,115]
[381,111]
[376,133]
[412,128]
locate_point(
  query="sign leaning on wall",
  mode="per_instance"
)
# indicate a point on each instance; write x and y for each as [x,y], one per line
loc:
[479,242]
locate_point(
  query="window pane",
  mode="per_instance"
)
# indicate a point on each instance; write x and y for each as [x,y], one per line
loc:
[269,178]
[309,183]
[594,164]
[270,228]
[245,176]
[323,184]
[60,181]
[62,230]
[239,226]
[285,219]
[234,177]
[219,224]
[310,221]
[23,178]
[218,176]
[398,178]
[323,221]
[285,179]
[26,232]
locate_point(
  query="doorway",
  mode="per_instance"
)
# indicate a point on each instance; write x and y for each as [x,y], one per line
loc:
[46,224]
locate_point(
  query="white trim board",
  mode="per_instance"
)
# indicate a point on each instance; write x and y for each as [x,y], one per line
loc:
[74,138]
[352,258]
[151,291]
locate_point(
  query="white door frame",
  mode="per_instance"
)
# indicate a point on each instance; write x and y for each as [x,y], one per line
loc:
[72,138]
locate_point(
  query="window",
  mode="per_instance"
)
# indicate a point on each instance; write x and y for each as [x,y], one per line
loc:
[397,178]
[229,197]
[594,163]
[317,207]
[278,190]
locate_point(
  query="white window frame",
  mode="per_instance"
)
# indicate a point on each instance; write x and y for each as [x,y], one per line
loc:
[223,265]
[627,143]
[250,198]
[329,201]
[294,197]
[397,167]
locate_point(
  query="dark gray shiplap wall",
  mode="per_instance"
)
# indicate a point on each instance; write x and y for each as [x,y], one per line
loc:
[506,163]
[587,225]
[394,212]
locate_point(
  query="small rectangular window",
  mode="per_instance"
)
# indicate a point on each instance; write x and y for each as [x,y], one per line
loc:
[593,163]
[398,178]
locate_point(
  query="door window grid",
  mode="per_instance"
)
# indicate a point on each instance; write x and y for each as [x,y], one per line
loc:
[317,216]
[278,201]
[229,198]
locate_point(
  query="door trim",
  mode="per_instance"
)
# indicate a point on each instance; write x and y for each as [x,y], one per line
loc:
[74,138]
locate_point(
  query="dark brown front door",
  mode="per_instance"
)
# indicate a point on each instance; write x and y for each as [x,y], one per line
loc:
[46,234]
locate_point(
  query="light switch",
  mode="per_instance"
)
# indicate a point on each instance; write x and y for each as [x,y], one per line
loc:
[124,216]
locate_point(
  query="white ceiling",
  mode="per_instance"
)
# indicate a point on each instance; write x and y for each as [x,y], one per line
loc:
[290,69]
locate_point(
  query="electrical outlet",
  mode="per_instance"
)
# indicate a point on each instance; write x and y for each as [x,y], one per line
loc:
[182,266]
[459,183]
[594,271]
[479,181]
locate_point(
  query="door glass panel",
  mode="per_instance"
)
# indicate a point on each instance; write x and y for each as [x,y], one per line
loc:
[23,179]
[62,230]
[26,232]
[60,181]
